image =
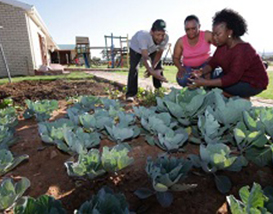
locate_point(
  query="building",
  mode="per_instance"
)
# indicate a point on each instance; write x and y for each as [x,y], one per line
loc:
[26,42]
[65,55]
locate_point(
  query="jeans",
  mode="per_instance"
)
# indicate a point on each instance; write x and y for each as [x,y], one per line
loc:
[241,89]
[184,80]
[132,85]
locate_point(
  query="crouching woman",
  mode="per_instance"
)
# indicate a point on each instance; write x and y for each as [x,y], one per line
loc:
[243,72]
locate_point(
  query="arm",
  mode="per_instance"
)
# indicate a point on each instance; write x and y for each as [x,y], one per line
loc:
[198,81]
[178,51]
[209,38]
[157,58]
[149,67]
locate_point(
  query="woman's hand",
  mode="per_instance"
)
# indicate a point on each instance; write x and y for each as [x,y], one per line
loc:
[180,73]
[198,72]
[196,82]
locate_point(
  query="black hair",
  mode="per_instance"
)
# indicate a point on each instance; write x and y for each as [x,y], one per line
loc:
[192,17]
[234,21]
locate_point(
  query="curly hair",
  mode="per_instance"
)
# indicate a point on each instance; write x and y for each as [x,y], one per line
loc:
[234,21]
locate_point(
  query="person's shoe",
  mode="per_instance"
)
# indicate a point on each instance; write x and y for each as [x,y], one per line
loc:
[130,99]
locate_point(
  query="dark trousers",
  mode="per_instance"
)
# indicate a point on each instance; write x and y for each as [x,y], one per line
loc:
[242,89]
[132,84]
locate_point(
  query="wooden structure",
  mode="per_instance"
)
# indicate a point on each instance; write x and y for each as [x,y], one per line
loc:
[83,50]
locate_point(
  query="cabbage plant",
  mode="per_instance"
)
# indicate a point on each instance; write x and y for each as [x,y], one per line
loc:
[52,132]
[120,132]
[109,103]
[166,173]
[143,112]
[67,136]
[87,103]
[257,127]
[94,163]
[253,200]
[8,162]
[158,123]
[185,105]
[8,117]
[210,129]
[45,204]
[172,140]
[116,158]
[215,157]
[6,137]
[10,191]
[105,202]
[41,109]
[95,122]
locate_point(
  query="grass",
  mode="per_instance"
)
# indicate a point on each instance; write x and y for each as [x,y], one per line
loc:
[71,76]
[267,94]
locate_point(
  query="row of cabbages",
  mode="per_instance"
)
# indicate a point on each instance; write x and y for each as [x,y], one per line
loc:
[230,132]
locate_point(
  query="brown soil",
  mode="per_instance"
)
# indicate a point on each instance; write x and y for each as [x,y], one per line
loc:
[46,171]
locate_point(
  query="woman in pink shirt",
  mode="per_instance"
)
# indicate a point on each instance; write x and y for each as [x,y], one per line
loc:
[244,73]
[191,51]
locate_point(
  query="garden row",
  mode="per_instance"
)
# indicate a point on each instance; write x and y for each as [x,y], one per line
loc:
[230,133]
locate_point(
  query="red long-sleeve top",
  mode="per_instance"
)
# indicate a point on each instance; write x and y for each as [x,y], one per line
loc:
[240,63]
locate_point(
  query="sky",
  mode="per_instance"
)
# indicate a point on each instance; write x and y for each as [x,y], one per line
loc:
[66,19]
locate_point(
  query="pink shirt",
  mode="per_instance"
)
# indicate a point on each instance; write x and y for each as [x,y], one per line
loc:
[196,55]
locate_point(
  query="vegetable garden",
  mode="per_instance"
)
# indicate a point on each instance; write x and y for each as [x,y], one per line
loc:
[72,149]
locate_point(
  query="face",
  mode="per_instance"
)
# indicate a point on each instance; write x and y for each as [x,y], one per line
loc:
[192,29]
[158,36]
[220,34]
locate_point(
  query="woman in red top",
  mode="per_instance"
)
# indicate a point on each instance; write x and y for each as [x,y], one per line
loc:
[244,73]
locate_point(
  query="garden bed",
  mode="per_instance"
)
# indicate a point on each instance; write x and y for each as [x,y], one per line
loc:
[46,171]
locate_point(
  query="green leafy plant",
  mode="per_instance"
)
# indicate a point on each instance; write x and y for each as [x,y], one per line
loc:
[87,103]
[165,173]
[185,105]
[257,127]
[8,117]
[116,158]
[172,141]
[158,123]
[67,136]
[8,162]
[210,129]
[119,133]
[45,204]
[95,122]
[7,102]
[10,191]
[252,201]
[93,164]
[53,132]
[143,112]
[6,137]
[113,94]
[217,157]
[41,109]
[105,202]
[148,97]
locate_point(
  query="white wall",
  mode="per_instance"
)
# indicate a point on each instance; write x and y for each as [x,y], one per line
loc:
[34,32]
